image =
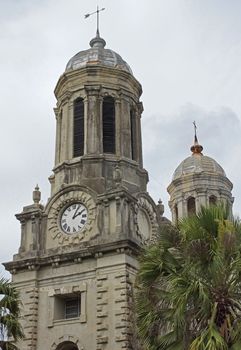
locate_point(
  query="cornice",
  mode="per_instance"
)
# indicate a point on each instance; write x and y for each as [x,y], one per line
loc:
[88,73]
[191,178]
[56,259]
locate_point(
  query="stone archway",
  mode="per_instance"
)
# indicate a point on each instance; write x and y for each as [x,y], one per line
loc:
[67,345]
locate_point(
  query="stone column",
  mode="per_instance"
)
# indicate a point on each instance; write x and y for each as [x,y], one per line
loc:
[125,128]
[118,126]
[202,200]
[36,222]
[85,123]
[173,211]
[183,208]
[58,116]
[34,233]
[197,202]
[138,132]
[70,129]
[64,132]
[93,122]
[23,236]
[118,215]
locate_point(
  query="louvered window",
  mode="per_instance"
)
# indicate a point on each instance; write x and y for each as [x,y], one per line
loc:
[191,206]
[108,116]
[133,135]
[176,213]
[72,307]
[78,146]
[67,306]
[212,200]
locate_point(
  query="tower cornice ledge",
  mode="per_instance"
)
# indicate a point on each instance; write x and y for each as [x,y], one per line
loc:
[29,211]
[51,256]
[211,177]
[97,75]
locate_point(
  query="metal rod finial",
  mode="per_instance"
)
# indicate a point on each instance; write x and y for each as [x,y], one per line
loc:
[97,15]
[195,131]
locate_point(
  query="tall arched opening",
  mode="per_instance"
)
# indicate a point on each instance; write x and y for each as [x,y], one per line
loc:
[212,200]
[67,345]
[108,116]
[191,206]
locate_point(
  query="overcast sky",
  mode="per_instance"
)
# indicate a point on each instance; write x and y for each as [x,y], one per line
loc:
[185,53]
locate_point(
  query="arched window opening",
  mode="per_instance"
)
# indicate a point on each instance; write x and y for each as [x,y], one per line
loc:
[133,134]
[108,115]
[191,206]
[67,345]
[212,200]
[78,144]
[176,213]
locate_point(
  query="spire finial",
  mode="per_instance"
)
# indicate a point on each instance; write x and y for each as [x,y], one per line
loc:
[196,148]
[97,41]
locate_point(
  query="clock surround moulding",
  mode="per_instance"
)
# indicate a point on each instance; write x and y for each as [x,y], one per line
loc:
[64,200]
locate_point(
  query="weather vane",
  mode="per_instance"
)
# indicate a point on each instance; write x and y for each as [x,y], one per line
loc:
[97,14]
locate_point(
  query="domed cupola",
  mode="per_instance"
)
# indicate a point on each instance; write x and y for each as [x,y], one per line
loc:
[97,54]
[198,180]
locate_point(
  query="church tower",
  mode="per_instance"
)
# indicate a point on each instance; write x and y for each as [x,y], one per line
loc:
[198,181]
[77,260]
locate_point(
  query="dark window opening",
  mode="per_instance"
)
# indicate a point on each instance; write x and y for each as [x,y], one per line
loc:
[212,200]
[78,147]
[108,115]
[191,206]
[67,306]
[133,135]
[176,213]
[67,345]
[72,307]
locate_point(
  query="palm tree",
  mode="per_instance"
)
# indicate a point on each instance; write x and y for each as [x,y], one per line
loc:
[189,285]
[10,327]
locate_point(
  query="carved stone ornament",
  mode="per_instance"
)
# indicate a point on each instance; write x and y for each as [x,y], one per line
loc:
[62,202]
[146,219]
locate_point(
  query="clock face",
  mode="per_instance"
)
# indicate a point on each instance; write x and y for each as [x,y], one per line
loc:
[144,223]
[73,218]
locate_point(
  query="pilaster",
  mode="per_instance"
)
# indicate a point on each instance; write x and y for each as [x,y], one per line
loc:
[94,121]
[139,134]
[125,136]
[58,116]
[31,318]
[64,151]
[102,312]
[123,310]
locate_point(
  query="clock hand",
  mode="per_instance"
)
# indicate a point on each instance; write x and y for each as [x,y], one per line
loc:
[75,212]
[75,215]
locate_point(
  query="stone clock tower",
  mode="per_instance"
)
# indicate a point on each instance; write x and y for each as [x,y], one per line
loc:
[77,260]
